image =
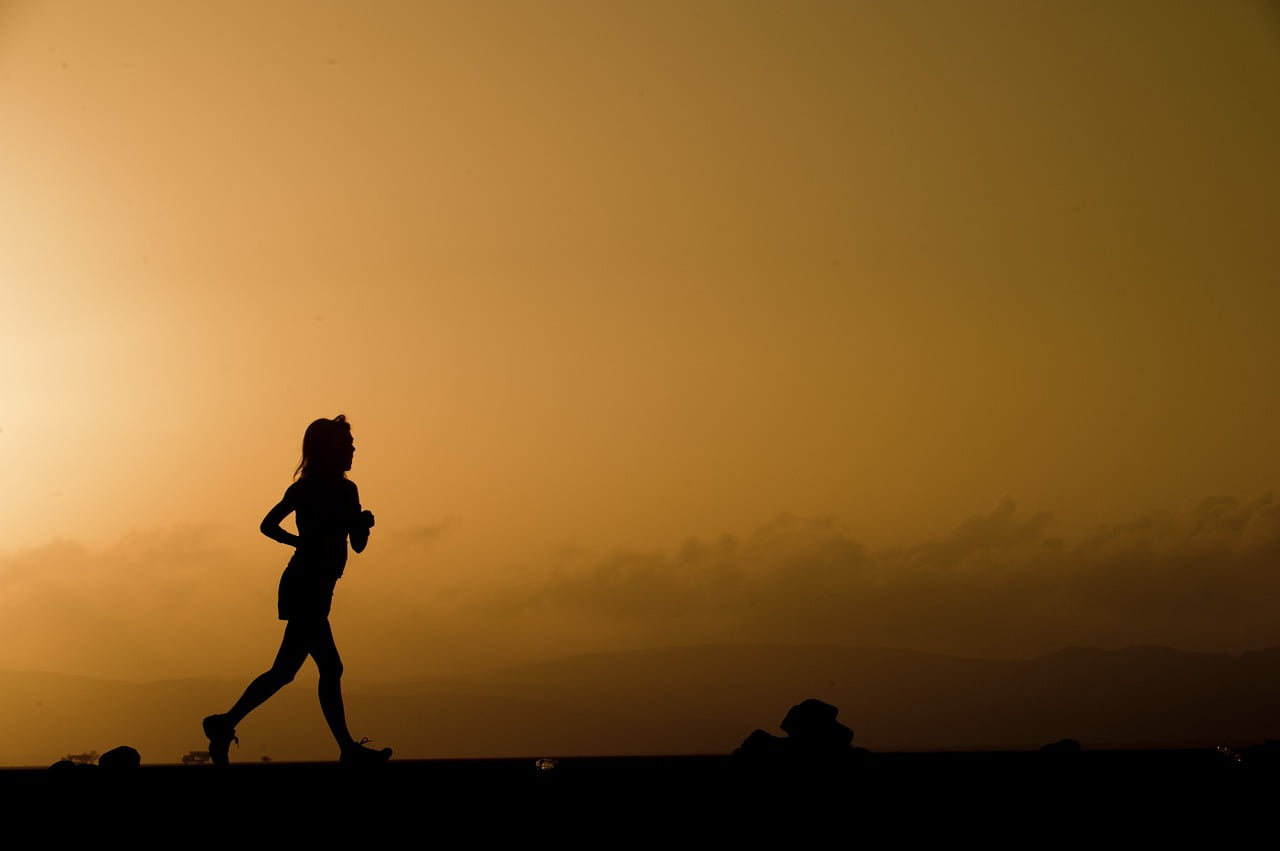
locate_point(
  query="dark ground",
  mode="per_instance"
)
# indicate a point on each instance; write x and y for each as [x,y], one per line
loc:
[1005,797]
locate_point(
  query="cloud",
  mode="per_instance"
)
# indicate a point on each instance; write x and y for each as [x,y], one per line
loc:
[183,601]
[150,605]
[421,537]
[999,583]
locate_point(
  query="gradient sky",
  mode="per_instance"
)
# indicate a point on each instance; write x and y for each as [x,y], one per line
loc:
[592,280]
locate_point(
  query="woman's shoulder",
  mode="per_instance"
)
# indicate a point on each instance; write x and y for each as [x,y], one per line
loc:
[323,488]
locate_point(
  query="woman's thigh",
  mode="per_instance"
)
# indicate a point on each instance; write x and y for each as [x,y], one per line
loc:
[294,648]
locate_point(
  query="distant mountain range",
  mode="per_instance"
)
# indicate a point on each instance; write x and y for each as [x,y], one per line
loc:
[682,700]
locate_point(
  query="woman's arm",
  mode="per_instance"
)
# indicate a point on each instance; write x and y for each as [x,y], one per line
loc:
[271,523]
[360,525]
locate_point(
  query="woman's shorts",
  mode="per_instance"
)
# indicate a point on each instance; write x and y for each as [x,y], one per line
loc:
[304,593]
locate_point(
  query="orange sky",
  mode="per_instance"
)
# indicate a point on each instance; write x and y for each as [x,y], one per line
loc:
[590,279]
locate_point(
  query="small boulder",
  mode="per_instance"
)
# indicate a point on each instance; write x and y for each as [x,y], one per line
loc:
[1062,747]
[123,758]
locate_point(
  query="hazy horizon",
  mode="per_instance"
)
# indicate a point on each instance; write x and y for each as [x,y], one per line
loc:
[695,700]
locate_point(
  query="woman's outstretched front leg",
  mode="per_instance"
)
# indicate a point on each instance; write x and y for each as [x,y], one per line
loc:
[221,729]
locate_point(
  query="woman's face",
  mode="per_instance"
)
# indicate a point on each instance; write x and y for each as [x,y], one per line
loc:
[346,450]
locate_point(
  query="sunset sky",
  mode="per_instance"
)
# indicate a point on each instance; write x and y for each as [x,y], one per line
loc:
[937,325]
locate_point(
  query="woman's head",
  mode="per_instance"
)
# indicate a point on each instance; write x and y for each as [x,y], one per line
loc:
[327,448]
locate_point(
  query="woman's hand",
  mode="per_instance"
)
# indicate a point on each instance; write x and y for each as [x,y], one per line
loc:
[360,530]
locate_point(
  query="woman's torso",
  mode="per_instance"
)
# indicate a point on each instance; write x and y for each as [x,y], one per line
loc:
[323,511]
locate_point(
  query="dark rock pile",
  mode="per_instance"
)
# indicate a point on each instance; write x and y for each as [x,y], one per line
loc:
[814,738]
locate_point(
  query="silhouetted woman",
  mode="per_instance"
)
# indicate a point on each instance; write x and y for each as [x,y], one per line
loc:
[327,508]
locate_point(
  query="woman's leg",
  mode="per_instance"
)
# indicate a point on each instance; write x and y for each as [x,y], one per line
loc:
[221,729]
[293,652]
[325,652]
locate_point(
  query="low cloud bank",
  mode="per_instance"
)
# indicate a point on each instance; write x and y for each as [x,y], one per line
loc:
[1207,578]
[183,602]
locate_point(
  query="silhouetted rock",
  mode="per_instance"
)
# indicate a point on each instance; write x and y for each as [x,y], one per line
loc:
[814,739]
[69,774]
[812,727]
[123,758]
[761,745]
[1062,747]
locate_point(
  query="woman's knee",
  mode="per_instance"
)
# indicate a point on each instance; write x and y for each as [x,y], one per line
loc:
[331,670]
[282,675]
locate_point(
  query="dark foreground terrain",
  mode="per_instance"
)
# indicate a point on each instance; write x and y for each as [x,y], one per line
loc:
[1012,797]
